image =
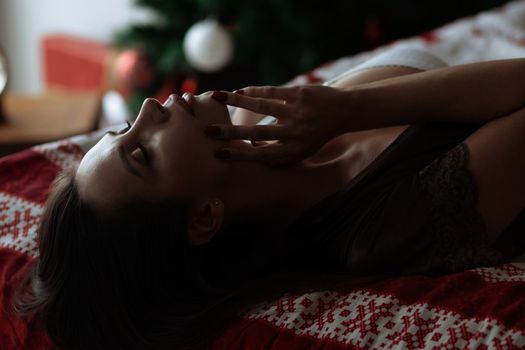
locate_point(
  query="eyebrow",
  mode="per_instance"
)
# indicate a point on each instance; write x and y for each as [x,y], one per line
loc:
[126,163]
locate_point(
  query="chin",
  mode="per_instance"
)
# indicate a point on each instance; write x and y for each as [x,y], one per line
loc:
[210,111]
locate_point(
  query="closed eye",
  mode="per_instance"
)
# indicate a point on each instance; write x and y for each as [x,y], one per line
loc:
[141,154]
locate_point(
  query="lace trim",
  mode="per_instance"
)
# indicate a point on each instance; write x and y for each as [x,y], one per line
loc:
[459,229]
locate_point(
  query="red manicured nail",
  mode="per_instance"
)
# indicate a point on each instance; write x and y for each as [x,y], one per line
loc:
[212,131]
[240,92]
[219,96]
[223,154]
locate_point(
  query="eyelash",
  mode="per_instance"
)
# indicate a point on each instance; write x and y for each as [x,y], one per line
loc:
[145,153]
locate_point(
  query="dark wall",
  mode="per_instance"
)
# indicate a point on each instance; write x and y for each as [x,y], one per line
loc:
[400,19]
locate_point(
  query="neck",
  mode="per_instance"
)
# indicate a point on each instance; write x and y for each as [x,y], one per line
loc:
[274,197]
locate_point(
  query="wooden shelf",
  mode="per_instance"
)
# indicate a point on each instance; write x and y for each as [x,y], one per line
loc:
[55,115]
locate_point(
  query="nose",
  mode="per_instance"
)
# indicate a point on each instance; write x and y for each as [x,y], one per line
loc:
[154,111]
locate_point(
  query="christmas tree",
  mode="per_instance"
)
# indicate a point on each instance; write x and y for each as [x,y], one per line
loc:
[273,40]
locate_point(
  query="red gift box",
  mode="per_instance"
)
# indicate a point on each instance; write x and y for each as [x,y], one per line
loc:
[76,64]
[86,65]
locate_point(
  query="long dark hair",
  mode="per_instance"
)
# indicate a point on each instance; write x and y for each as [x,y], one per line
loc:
[129,279]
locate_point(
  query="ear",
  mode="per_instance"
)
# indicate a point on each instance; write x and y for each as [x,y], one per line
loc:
[205,220]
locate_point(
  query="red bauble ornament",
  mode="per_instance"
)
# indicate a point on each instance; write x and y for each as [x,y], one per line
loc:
[133,72]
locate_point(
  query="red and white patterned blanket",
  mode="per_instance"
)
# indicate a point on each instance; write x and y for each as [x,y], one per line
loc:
[478,309]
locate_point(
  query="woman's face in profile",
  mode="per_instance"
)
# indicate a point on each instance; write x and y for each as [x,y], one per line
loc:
[165,154]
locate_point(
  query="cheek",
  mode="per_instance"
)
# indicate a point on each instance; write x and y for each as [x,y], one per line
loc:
[189,165]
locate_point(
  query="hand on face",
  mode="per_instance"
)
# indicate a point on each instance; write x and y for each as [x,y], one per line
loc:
[307,119]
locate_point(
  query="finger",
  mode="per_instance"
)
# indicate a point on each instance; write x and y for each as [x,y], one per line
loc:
[263,153]
[275,92]
[257,105]
[250,132]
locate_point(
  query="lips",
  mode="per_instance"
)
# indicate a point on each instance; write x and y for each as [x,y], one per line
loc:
[182,102]
[189,99]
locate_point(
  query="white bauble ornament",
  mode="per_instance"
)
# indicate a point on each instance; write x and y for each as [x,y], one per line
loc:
[208,46]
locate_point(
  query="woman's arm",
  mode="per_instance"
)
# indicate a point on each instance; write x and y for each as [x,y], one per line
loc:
[243,116]
[310,115]
[476,93]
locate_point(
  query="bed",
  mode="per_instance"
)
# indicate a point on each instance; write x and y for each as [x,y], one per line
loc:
[483,308]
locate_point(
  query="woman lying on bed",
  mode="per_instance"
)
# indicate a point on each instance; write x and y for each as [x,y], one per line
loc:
[165,225]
